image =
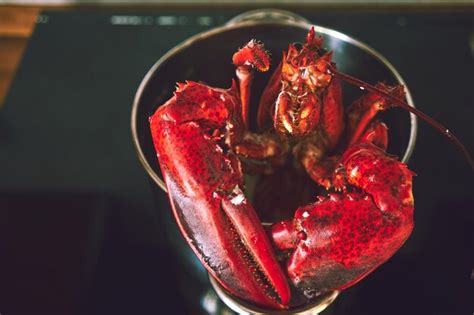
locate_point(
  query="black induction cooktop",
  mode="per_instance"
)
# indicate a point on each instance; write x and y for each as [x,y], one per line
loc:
[81,230]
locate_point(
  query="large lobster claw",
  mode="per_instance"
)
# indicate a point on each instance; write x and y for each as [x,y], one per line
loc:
[338,240]
[192,134]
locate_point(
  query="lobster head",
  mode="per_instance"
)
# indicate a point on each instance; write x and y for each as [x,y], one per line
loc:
[304,79]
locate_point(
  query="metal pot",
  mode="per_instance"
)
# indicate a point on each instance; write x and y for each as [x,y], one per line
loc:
[207,57]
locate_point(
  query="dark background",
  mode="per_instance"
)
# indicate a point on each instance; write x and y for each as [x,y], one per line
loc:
[81,230]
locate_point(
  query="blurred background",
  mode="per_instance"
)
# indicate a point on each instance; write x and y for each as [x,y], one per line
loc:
[18,17]
[84,231]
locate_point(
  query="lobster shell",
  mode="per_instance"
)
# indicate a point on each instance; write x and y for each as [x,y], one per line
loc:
[190,61]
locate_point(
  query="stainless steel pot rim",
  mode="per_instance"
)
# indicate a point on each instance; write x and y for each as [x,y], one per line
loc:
[242,307]
[296,23]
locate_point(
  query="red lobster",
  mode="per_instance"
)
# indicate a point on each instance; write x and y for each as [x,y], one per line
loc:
[204,147]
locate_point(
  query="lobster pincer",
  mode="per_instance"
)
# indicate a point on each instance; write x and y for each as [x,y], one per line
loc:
[338,240]
[193,133]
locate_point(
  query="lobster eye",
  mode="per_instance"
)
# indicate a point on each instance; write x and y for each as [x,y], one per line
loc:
[297,45]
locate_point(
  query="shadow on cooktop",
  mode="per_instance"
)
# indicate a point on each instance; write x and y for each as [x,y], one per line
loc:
[68,253]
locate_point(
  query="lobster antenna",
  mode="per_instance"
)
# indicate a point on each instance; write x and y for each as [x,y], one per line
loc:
[442,129]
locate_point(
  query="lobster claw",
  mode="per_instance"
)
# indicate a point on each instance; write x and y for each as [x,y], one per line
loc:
[340,239]
[204,183]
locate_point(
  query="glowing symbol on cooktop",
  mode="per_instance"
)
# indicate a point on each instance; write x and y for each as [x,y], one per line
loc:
[205,20]
[167,20]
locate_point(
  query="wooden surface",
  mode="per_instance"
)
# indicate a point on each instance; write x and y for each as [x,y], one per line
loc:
[16,26]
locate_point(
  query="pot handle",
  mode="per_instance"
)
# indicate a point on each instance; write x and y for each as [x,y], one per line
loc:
[267,15]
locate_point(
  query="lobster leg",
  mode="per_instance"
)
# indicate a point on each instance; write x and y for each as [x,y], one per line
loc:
[332,116]
[192,133]
[376,133]
[319,167]
[252,56]
[253,146]
[269,97]
[338,240]
[361,128]
[362,111]
[261,146]
[313,153]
